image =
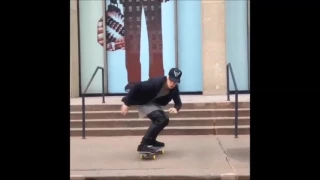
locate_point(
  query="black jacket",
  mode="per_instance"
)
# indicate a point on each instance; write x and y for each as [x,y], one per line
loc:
[145,91]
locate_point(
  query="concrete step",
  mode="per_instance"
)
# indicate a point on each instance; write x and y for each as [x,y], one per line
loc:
[136,122]
[177,130]
[167,176]
[183,113]
[116,107]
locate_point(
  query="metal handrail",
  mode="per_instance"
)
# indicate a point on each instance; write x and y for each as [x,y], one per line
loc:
[236,108]
[83,99]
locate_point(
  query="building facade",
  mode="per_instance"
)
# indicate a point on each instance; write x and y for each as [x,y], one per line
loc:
[134,40]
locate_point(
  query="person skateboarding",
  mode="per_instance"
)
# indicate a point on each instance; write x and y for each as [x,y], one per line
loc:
[149,97]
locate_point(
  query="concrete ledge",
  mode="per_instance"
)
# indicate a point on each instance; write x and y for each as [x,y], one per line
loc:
[161,174]
[153,178]
[165,177]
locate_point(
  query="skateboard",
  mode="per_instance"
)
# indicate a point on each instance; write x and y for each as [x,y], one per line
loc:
[153,154]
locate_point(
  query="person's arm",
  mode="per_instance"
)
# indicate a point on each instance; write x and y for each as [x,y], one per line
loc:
[132,96]
[128,99]
[177,100]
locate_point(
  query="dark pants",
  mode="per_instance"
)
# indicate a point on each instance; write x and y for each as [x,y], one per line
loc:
[159,121]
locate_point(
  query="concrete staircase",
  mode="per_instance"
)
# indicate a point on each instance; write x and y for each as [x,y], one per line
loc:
[193,119]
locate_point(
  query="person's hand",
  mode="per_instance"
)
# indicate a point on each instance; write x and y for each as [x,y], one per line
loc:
[173,111]
[124,109]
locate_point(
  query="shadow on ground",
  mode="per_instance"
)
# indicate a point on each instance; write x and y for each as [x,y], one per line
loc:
[239,154]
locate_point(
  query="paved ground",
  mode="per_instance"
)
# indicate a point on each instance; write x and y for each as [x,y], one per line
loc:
[187,156]
[184,99]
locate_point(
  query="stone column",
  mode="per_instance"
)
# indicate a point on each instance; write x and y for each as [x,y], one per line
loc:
[74,57]
[214,47]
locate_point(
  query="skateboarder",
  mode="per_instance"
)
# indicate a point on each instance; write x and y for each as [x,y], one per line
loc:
[149,96]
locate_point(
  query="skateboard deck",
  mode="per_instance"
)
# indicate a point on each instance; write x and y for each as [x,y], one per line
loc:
[151,154]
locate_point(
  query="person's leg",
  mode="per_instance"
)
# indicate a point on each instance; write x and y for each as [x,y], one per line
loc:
[153,112]
[159,121]
[147,140]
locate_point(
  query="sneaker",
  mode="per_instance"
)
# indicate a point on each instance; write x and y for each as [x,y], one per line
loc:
[158,144]
[145,148]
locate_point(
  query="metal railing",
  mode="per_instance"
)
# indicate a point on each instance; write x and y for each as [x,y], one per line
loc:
[236,106]
[83,99]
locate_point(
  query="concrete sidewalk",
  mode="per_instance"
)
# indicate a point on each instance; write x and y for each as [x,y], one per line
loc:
[186,157]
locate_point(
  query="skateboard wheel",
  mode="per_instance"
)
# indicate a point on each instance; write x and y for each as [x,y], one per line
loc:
[162,151]
[154,157]
[141,156]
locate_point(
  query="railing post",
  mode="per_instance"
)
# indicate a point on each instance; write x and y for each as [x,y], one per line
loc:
[83,117]
[236,106]
[103,99]
[236,116]
[228,88]
[84,103]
